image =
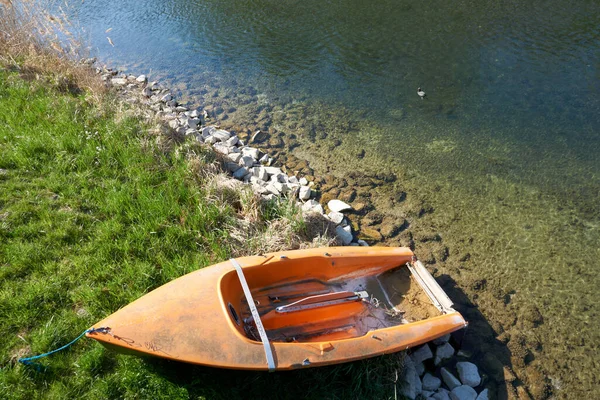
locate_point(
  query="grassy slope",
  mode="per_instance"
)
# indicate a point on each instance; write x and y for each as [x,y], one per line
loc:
[89,221]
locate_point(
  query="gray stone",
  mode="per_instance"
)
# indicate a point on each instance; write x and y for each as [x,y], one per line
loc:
[468,373]
[171,103]
[260,173]
[272,189]
[174,123]
[193,122]
[344,236]
[147,92]
[338,205]
[252,152]
[235,157]
[194,114]
[363,243]
[247,161]
[208,131]
[222,135]
[221,148]
[232,167]
[483,395]
[273,170]
[443,352]
[304,193]
[232,141]
[312,206]
[426,393]
[410,384]
[336,217]
[166,98]
[240,173]
[450,380]
[118,81]
[431,382]
[441,340]
[421,354]
[441,394]
[210,140]
[463,392]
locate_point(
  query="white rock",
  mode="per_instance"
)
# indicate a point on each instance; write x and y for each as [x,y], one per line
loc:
[208,131]
[235,157]
[483,395]
[292,179]
[166,98]
[304,193]
[338,205]
[450,380]
[463,392]
[272,189]
[222,135]
[141,79]
[232,141]
[363,243]
[174,123]
[468,373]
[335,217]
[240,173]
[182,109]
[211,140]
[273,170]
[347,228]
[303,181]
[443,352]
[252,152]
[118,81]
[193,114]
[441,394]
[441,340]
[312,206]
[410,384]
[247,161]
[279,186]
[421,354]
[431,382]
[260,173]
[221,148]
[264,159]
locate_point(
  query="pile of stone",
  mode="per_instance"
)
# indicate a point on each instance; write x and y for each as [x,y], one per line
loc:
[431,374]
[244,162]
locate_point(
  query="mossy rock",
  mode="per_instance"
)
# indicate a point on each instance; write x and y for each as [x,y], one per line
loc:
[370,235]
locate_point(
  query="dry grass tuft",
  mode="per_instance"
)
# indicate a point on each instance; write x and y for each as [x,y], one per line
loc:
[41,46]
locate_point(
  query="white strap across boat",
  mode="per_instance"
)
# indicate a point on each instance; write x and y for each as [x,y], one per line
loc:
[259,326]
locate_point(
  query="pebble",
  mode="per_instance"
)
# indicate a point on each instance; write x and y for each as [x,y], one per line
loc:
[421,354]
[304,193]
[450,380]
[431,382]
[463,392]
[468,373]
[443,352]
[336,217]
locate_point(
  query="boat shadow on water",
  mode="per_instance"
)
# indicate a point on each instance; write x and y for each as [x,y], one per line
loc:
[373,378]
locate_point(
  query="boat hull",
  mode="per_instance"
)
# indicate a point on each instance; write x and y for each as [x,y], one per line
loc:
[189,319]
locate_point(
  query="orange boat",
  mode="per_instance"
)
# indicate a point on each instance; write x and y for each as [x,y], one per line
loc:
[287,310]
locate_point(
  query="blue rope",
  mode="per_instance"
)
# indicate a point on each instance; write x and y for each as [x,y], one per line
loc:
[29,360]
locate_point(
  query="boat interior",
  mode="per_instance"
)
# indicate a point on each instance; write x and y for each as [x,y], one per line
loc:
[322,300]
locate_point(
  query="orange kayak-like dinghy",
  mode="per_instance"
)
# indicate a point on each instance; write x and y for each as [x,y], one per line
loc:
[288,310]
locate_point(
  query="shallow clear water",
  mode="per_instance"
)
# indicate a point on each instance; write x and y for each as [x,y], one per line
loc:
[505,145]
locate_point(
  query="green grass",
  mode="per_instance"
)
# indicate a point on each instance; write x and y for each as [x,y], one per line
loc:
[91,218]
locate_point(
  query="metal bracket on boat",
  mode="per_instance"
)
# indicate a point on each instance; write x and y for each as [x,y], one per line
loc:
[322,300]
[259,326]
[434,291]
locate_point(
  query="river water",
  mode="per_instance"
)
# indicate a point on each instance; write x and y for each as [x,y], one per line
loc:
[505,147]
